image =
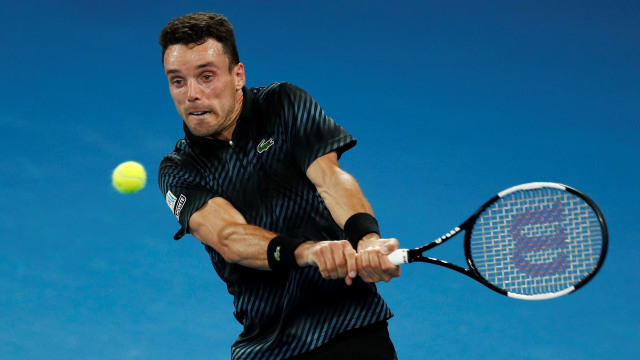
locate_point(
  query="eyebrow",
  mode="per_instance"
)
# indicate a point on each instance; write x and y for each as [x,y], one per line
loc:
[201,66]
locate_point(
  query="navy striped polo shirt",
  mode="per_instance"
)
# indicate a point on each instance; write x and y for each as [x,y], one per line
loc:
[262,173]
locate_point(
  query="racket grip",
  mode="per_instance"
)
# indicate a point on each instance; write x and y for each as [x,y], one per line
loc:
[399,257]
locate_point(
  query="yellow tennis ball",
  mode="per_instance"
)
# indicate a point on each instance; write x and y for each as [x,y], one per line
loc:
[129,177]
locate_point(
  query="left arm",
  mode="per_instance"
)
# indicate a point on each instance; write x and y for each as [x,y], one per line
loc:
[343,197]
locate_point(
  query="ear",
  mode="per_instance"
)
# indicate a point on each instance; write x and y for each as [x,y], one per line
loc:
[238,74]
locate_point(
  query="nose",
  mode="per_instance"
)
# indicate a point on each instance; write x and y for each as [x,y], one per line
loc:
[192,91]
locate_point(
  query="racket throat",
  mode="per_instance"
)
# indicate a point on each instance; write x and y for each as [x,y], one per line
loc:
[448,265]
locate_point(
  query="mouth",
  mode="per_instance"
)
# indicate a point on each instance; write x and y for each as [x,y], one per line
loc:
[199,113]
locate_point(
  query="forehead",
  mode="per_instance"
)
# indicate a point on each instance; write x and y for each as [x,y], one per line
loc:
[184,56]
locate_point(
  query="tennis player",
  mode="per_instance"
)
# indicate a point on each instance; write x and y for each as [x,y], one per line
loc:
[256,179]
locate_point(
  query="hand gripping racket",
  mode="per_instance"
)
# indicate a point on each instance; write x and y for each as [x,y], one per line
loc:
[533,241]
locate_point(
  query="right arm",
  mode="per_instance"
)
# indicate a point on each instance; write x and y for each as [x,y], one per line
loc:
[220,225]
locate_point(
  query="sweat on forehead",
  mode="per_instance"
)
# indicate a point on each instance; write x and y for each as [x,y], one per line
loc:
[210,53]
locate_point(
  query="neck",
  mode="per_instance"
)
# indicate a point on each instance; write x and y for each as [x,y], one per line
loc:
[227,135]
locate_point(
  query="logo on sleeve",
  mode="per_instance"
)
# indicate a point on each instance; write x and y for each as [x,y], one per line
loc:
[175,204]
[179,206]
[264,145]
[171,200]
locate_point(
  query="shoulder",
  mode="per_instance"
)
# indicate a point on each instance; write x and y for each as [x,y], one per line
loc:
[178,158]
[276,88]
[279,93]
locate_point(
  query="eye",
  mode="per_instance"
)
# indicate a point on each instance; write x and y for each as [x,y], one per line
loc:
[177,82]
[207,77]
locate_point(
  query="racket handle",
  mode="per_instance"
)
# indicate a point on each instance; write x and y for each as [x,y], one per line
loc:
[399,257]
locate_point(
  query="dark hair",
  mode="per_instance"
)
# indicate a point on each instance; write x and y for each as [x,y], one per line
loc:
[196,28]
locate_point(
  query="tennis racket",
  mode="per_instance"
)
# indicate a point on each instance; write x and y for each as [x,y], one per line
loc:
[533,241]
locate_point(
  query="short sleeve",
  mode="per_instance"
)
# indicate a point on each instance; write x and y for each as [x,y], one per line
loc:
[312,133]
[182,190]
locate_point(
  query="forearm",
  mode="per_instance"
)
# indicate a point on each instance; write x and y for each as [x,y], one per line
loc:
[247,245]
[219,225]
[344,197]
[238,243]
[251,246]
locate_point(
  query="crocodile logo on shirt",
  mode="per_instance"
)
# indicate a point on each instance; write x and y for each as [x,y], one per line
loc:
[264,145]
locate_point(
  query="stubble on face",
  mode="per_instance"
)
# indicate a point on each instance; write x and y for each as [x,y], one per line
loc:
[207,95]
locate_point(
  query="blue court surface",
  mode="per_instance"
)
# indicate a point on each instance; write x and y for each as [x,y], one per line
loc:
[451,102]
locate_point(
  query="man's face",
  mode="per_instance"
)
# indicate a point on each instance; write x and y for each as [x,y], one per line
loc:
[207,95]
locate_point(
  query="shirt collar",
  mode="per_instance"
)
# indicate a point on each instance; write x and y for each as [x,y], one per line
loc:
[243,122]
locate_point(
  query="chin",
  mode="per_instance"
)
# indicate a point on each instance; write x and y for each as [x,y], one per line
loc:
[200,129]
[202,132]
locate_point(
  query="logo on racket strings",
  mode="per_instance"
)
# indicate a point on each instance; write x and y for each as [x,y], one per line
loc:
[540,241]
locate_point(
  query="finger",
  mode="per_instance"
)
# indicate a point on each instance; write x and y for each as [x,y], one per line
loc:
[341,253]
[361,263]
[328,252]
[388,267]
[377,266]
[365,269]
[352,266]
[389,246]
[348,280]
[377,273]
[319,260]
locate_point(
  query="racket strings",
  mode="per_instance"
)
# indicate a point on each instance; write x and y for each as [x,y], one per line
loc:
[536,241]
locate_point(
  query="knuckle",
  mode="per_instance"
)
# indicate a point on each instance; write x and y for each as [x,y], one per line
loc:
[318,250]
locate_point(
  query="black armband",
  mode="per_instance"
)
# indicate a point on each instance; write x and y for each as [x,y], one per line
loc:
[359,225]
[280,253]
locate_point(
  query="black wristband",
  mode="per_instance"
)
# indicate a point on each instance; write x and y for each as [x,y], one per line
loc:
[359,225]
[280,253]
